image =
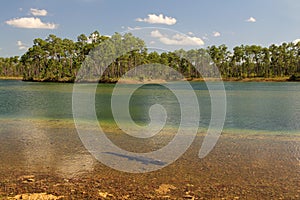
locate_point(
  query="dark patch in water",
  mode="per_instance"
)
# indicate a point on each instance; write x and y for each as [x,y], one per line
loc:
[143,160]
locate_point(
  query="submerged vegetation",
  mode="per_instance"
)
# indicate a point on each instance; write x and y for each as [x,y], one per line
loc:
[58,60]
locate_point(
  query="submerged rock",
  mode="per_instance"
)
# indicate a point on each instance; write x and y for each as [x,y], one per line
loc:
[165,188]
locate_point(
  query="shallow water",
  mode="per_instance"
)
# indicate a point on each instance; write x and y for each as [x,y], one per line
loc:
[257,156]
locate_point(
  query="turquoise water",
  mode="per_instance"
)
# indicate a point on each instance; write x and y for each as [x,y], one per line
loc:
[38,137]
[270,107]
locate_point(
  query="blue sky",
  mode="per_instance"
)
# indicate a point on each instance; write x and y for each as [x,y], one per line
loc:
[205,22]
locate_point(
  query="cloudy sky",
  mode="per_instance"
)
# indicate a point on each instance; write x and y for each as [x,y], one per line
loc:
[204,22]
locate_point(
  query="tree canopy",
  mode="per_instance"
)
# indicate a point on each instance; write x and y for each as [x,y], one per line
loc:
[56,59]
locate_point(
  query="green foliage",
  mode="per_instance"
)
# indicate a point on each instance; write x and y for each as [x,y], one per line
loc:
[56,59]
[10,67]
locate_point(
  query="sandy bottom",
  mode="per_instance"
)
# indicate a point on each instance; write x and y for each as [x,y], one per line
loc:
[47,160]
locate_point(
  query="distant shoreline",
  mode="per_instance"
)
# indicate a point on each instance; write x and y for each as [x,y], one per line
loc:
[11,78]
[278,79]
[161,81]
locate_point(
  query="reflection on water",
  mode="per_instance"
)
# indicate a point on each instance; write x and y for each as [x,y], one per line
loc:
[36,146]
[43,146]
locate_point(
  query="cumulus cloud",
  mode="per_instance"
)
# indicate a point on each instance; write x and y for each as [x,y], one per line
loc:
[216,34]
[156,34]
[190,33]
[296,41]
[158,19]
[251,19]
[21,45]
[30,22]
[37,12]
[177,39]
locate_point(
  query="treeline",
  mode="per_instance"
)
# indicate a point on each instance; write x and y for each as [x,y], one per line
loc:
[11,67]
[56,59]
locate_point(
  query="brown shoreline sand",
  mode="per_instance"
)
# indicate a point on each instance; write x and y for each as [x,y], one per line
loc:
[241,166]
[11,78]
[278,79]
[161,81]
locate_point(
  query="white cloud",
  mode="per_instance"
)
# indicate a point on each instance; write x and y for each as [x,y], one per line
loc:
[190,33]
[251,19]
[133,28]
[30,22]
[21,45]
[177,39]
[37,12]
[158,19]
[156,34]
[296,41]
[216,34]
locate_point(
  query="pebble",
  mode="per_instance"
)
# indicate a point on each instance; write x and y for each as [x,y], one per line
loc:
[105,194]
[29,180]
[189,197]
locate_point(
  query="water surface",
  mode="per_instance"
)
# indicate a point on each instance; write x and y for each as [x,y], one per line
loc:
[250,106]
[257,156]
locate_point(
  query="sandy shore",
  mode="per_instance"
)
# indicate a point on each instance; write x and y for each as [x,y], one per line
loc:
[161,81]
[53,162]
[146,81]
[278,79]
[11,78]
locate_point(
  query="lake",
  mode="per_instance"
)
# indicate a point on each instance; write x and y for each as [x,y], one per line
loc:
[257,155]
[271,107]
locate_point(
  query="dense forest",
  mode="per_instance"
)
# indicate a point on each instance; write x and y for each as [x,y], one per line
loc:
[56,59]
